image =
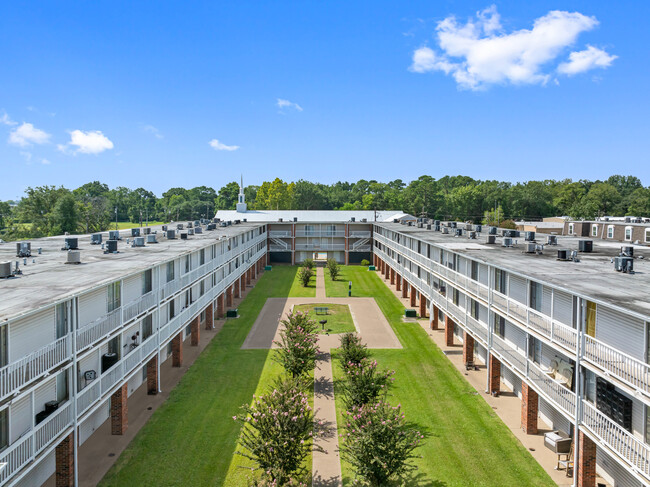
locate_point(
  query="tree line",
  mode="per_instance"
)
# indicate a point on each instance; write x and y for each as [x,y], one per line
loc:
[49,210]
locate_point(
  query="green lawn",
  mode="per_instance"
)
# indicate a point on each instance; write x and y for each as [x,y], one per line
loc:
[363,282]
[339,318]
[297,289]
[127,225]
[466,442]
[191,439]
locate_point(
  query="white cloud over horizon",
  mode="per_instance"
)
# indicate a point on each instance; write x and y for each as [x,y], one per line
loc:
[90,142]
[26,134]
[479,53]
[150,129]
[282,104]
[216,145]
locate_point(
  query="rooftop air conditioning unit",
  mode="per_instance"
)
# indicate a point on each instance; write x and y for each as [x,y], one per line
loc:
[585,245]
[198,230]
[189,224]
[479,228]
[5,270]
[364,220]
[420,225]
[436,222]
[23,249]
[147,230]
[445,230]
[135,232]
[628,219]
[428,226]
[491,239]
[624,264]
[74,257]
[183,236]
[179,226]
[454,225]
[563,254]
[529,236]
[111,247]
[164,228]
[190,231]
[223,224]
[492,230]
[627,251]
[279,219]
[468,227]
[197,223]
[171,234]
[458,232]
[295,219]
[551,240]
[531,247]
[507,242]
[138,242]
[395,220]
[471,235]
[96,239]
[114,235]
[237,222]
[71,243]
[436,227]
[151,239]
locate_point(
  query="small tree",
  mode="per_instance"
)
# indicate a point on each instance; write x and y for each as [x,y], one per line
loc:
[308,263]
[364,383]
[298,345]
[333,267]
[304,275]
[365,262]
[353,351]
[379,443]
[277,432]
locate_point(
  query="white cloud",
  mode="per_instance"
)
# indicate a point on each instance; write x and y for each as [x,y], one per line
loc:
[26,155]
[91,142]
[282,104]
[26,134]
[5,120]
[581,61]
[45,161]
[216,145]
[479,53]
[153,131]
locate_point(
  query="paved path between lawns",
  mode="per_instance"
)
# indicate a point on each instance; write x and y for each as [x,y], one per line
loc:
[320,282]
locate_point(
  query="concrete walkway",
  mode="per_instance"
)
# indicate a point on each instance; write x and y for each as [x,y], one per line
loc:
[320,282]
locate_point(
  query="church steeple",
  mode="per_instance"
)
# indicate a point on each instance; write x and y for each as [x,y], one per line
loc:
[241,200]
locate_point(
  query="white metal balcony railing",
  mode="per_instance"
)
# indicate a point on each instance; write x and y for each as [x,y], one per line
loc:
[624,367]
[321,246]
[278,248]
[320,233]
[360,234]
[21,372]
[88,396]
[509,354]
[279,234]
[361,248]
[89,334]
[140,305]
[633,450]
[554,391]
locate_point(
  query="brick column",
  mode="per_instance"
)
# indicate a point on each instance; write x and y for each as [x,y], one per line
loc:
[586,466]
[120,410]
[242,285]
[248,276]
[434,319]
[392,276]
[229,296]
[423,306]
[236,288]
[413,293]
[529,409]
[449,331]
[468,348]
[209,317]
[177,350]
[65,462]
[220,306]
[398,282]
[405,288]
[495,375]
[195,331]
[152,376]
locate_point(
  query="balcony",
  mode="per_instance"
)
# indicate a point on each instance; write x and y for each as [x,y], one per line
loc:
[552,389]
[509,354]
[360,234]
[89,334]
[139,306]
[320,233]
[21,372]
[279,234]
[317,247]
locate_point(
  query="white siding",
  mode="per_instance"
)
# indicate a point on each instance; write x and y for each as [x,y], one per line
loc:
[516,337]
[563,307]
[92,305]
[511,380]
[135,381]
[29,334]
[131,288]
[547,298]
[483,274]
[93,422]
[20,417]
[552,417]
[480,351]
[40,473]
[620,331]
[613,472]
[46,392]
[518,289]
[483,314]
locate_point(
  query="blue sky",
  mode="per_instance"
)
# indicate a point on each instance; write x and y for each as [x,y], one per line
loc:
[163,94]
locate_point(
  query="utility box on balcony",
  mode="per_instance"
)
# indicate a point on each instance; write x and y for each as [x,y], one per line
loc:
[410,313]
[232,313]
[267,267]
[371,268]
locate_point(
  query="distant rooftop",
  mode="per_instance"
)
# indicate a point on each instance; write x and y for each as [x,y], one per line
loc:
[314,216]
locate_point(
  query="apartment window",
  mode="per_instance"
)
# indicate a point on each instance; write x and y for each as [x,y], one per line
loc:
[146,282]
[535,297]
[202,288]
[534,349]
[169,348]
[61,313]
[590,385]
[4,428]
[610,231]
[330,230]
[114,345]
[172,309]
[499,325]
[4,353]
[170,271]
[474,270]
[62,386]
[187,264]
[188,330]
[202,257]
[500,281]
[473,310]
[455,295]
[114,296]
[628,233]
[594,230]
[147,327]
[309,230]
[570,228]
[647,234]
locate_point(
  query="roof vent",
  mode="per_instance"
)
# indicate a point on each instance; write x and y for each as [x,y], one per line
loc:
[95,239]
[74,257]
[23,249]
[138,242]
[491,239]
[5,270]
[135,232]
[151,239]
[585,245]
[551,240]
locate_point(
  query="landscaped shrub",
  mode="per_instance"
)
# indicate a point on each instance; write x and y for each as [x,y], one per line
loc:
[364,383]
[298,345]
[378,443]
[333,267]
[365,263]
[304,275]
[308,263]
[353,351]
[277,433]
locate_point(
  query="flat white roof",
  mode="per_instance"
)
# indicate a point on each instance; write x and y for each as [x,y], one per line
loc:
[316,216]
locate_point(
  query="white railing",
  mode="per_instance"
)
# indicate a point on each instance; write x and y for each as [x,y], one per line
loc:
[110,378]
[15,375]
[322,246]
[628,369]
[89,334]
[633,450]
[140,305]
[320,233]
[361,248]
[555,391]
[360,234]
[16,456]
[132,359]
[149,345]
[509,353]
[477,328]
[88,396]
[278,248]
[279,234]
[51,426]
[170,288]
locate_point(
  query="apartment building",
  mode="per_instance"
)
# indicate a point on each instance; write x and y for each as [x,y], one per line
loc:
[627,229]
[563,330]
[81,330]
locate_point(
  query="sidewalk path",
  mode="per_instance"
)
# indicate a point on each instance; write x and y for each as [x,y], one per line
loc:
[320,282]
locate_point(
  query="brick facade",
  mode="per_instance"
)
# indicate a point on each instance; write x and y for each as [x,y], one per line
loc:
[229,296]
[423,306]
[413,296]
[177,350]
[209,317]
[398,282]
[529,409]
[586,466]
[235,287]
[433,320]
[195,331]
[468,348]
[392,276]
[495,375]
[64,456]
[120,410]
[449,331]
[405,289]
[152,376]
